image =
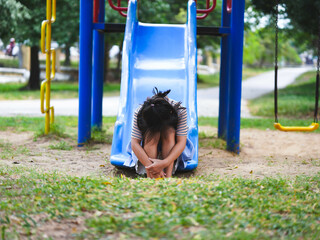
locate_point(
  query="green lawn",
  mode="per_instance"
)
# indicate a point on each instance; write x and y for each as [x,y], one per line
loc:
[212,80]
[123,208]
[206,207]
[9,62]
[14,63]
[20,124]
[59,90]
[295,101]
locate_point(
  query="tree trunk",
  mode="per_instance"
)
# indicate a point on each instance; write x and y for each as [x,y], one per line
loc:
[261,62]
[106,59]
[67,52]
[34,80]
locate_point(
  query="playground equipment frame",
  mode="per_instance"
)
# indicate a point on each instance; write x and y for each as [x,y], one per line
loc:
[91,82]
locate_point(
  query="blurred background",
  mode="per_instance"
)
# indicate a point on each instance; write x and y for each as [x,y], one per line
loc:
[21,61]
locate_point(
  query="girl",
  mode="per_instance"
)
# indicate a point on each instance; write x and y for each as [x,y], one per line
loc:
[159,141]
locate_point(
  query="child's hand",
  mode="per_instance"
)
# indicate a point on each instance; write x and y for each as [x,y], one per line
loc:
[156,167]
[150,175]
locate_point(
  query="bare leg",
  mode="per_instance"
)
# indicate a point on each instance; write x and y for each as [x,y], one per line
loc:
[168,140]
[151,149]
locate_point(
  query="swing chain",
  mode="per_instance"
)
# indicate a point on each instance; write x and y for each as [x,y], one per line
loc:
[276,63]
[317,78]
[318,60]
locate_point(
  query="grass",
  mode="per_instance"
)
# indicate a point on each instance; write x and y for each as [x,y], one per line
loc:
[206,81]
[207,207]
[62,145]
[62,90]
[59,90]
[65,127]
[295,101]
[196,208]
[8,151]
[9,63]
[73,64]
[257,123]
[212,80]
[14,63]
[69,124]
[210,140]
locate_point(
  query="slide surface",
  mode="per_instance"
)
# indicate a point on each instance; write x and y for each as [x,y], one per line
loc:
[162,56]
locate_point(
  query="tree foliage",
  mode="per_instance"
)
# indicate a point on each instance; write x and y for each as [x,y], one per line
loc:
[11,13]
[303,15]
[175,12]
[259,49]
[28,29]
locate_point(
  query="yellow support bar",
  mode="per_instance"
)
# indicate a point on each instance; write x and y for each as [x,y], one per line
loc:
[43,33]
[313,126]
[53,14]
[42,89]
[50,67]
[53,66]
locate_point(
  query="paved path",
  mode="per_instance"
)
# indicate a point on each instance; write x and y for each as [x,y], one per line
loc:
[253,87]
[208,99]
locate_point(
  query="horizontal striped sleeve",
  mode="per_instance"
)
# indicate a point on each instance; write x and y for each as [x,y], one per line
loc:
[136,133]
[182,128]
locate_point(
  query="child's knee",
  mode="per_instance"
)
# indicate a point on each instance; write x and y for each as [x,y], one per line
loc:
[152,141]
[168,136]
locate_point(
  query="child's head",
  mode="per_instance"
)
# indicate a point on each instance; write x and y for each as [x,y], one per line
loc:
[157,114]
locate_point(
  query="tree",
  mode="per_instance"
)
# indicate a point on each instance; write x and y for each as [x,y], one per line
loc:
[66,27]
[259,49]
[303,15]
[28,26]
[13,10]
[28,31]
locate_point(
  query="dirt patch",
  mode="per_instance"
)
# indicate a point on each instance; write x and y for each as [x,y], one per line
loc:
[263,153]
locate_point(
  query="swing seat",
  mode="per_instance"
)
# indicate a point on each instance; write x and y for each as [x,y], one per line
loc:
[313,126]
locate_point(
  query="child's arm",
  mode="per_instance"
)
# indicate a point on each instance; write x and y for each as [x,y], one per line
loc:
[139,152]
[143,158]
[157,165]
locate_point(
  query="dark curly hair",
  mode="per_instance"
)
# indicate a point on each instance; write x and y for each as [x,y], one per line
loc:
[157,114]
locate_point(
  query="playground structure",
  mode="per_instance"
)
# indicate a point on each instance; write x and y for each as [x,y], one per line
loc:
[176,65]
[145,65]
[91,79]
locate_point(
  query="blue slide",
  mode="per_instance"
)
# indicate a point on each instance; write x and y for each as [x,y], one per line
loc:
[162,56]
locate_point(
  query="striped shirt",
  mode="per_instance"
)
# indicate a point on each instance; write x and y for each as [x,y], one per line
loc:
[182,128]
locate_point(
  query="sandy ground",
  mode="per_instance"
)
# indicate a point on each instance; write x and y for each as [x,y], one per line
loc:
[263,153]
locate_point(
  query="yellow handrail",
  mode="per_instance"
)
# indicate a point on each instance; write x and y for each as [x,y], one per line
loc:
[50,67]
[313,126]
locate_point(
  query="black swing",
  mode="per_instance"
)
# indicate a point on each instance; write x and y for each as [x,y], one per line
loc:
[314,125]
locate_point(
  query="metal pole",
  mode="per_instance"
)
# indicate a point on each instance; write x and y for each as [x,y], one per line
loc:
[85,71]
[224,74]
[98,66]
[235,71]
